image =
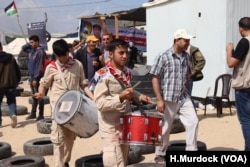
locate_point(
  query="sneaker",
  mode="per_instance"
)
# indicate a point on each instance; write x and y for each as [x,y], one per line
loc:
[31,116]
[39,118]
[160,159]
[13,121]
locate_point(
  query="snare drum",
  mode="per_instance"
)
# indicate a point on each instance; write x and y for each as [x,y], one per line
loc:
[140,128]
[77,112]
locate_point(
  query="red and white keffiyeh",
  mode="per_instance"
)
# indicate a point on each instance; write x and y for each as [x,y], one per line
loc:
[126,80]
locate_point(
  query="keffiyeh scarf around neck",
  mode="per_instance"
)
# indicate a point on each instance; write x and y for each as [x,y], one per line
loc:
[126,80]
[65,66]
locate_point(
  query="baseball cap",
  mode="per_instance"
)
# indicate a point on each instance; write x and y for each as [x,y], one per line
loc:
[182,33]
[91,38]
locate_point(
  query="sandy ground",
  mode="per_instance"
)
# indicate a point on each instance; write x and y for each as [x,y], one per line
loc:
[217,133]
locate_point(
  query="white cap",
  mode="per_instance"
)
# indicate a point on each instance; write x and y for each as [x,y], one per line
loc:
[182,33]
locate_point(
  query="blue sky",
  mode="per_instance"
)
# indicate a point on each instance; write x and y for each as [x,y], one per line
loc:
[62,14]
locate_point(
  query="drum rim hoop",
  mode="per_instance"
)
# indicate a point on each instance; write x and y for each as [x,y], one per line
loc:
[71,115]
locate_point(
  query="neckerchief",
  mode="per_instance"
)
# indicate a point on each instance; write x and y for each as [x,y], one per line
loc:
[65,66]
[126,80]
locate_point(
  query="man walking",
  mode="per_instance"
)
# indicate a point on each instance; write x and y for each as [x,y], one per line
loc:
[10,76]
[170,81]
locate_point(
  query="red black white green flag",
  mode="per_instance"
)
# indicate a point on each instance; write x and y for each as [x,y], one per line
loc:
[11,9]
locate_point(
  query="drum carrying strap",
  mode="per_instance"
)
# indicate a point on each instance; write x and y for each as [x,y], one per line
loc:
[61,75]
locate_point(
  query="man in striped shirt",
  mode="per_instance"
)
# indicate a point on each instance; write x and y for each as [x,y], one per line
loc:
[170,72]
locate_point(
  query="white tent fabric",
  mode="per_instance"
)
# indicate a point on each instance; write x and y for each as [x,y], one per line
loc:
[15,46]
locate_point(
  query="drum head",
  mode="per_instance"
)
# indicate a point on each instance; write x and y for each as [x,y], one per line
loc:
[66,106]
[152,113]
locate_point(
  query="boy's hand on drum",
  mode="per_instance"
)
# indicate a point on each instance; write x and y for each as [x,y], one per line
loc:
[145,99]
[126,94]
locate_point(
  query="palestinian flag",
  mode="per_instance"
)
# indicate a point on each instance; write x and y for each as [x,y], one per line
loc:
[11,9]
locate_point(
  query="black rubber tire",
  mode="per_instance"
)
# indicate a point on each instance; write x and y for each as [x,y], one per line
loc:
[22,54]
[45,99]
[19,90]
[24,73]
[44,125]
[144,149]
[48,36]
[147,165]
[39,146]
[23,161]
[90,161]
[21,110]
[26,94]
[177,126]
[179,145]
[5,150]
[25,78]
[23,62]
[134,156]
[96,160]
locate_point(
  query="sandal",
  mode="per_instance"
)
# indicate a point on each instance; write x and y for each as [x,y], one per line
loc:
[160,159]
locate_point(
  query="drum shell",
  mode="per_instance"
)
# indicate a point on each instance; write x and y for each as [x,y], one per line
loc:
[142,128]
[82,115]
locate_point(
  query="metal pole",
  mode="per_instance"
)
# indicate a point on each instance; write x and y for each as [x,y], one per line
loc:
[21,28]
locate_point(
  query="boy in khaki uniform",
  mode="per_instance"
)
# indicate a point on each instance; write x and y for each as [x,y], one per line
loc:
[73,74]
[112,96]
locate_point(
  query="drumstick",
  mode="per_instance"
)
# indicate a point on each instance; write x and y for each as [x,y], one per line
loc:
[152,102]
[137,83]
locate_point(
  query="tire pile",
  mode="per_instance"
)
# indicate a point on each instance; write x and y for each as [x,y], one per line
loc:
[22,61]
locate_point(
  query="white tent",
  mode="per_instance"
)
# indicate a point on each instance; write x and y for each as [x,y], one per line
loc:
[15,46]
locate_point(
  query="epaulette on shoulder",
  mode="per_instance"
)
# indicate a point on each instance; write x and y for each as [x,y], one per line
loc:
[53,64]
[102,71]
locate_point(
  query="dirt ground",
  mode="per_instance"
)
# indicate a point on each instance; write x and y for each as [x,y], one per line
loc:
[217,133]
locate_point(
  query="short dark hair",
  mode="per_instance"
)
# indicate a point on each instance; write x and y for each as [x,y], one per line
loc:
[97,26]
[34,38]
[116,43]
[245,23]
[70,45]
[60,47]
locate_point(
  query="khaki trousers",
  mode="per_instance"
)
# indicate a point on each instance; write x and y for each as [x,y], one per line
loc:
[114,153]
[63,140]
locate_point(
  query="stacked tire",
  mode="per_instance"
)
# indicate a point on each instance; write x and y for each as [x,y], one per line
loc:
[22,61]
[5,150]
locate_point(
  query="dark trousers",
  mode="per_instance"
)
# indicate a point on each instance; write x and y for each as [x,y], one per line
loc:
[36,102]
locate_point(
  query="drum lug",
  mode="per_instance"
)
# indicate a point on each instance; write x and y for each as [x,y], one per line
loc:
[130,120]
[145,137]
[161,122]
[121,120]
[146,121]
[129,136]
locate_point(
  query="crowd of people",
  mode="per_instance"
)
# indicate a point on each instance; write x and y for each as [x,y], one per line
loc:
[101,68]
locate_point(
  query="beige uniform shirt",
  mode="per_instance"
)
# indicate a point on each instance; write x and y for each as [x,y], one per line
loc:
[106,98]
[73,76]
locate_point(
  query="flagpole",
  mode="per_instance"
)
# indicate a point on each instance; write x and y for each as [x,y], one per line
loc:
[21,27]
